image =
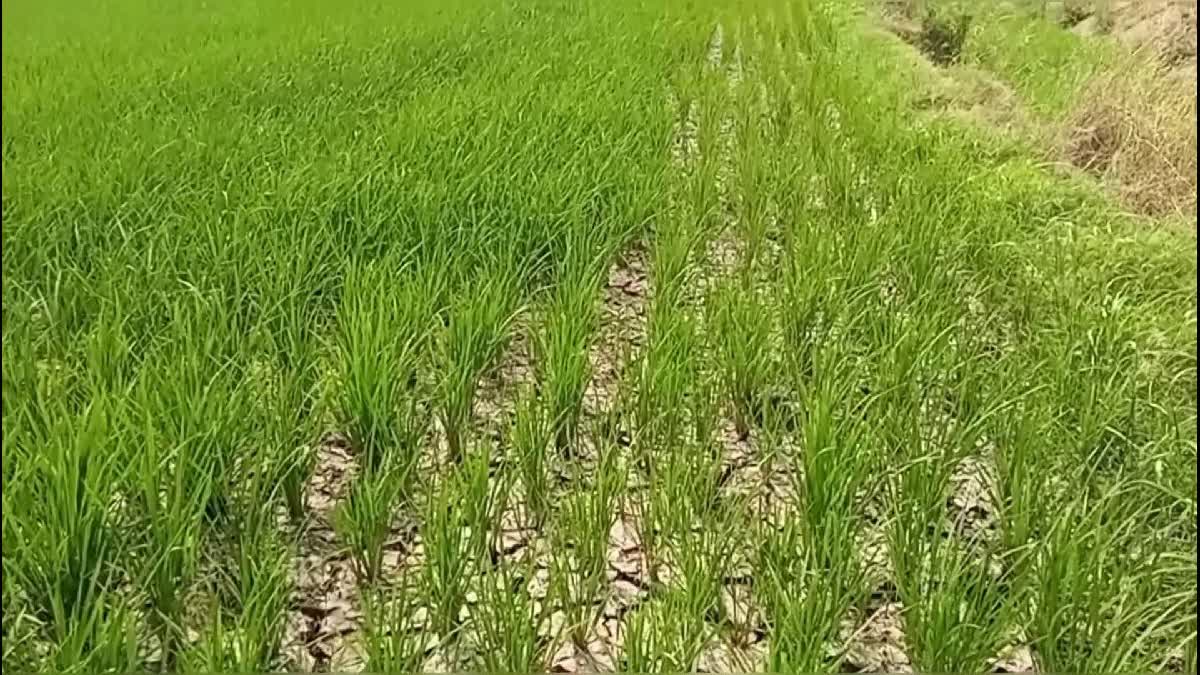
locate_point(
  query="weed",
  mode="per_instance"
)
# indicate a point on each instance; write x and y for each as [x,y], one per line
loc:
[943,34]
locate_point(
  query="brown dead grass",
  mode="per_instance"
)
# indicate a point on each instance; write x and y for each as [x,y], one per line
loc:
[1135,128]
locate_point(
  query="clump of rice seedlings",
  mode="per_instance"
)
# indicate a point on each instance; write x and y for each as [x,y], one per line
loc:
[959,603]
[702,555]
[664,635]
[755,171]
[510,625]
[395,640]
[804,613]
[291,318]
[570,322]
[109,363]
[62,556]
[531,437]
[182,431]
[476,329]
[660,402]
[171,490]
[649,638]
[581,534]
[814,576]
[364,519]
[455,533]
[244,632]
[245,568]
[382,324]
[742,343]
[291,427]
[293,411]
[965,614]
[661,385]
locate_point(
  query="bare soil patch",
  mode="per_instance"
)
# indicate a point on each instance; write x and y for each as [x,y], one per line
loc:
[326,607]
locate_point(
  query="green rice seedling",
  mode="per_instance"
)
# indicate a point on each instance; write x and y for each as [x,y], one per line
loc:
[246,569]
[383,322]
[688,475]
[803,612]
[704,405]
[509,623]
[108,356]
[665,368]
[264,591]
[103,640]
[394,641]
[741,339]
[292,418]
[959,610]
[581,532]
[958,603]
[171,495]
[1020,489]
[172,487]
[563,347]
[645,643]
[476,330]
[813,565]
[448,563]
[182,431]
[63,547]
[702,196]
[657,639]
[455,535]
[194,389]
[832,467]
[364,520]
[58,557]
[661,384]
[755,172]
[246,636]
[703,555]
[531,436]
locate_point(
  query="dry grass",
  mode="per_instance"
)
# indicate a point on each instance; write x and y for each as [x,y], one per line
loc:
[1135,127]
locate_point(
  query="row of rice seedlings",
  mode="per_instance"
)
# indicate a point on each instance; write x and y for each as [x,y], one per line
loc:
[798,378]
[689,535]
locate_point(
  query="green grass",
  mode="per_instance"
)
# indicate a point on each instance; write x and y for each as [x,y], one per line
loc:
[233,227]
[1047,65]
